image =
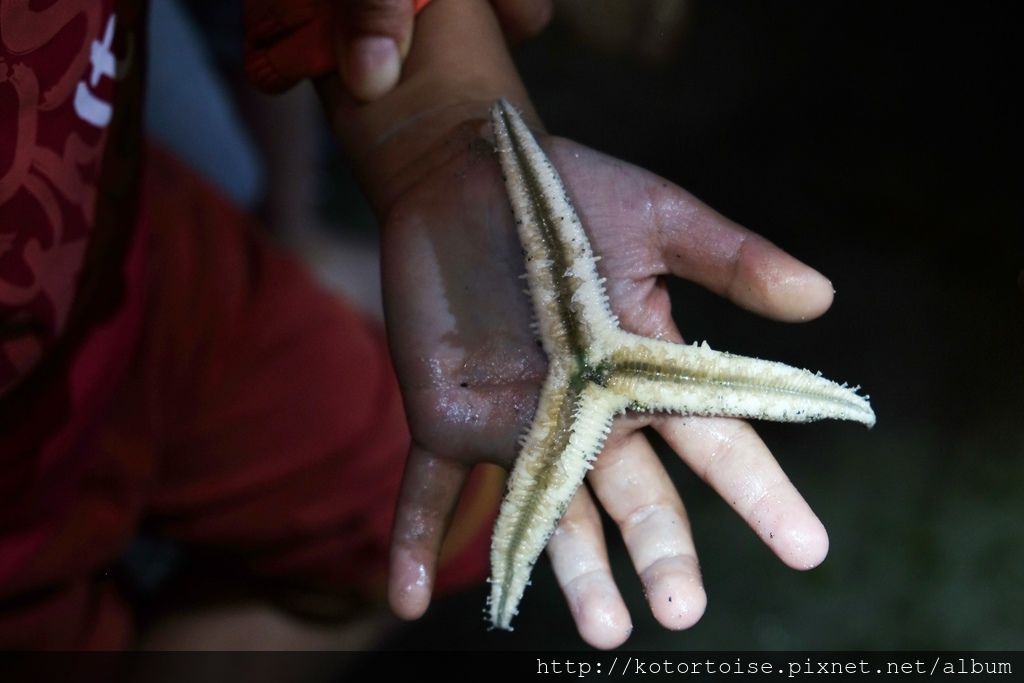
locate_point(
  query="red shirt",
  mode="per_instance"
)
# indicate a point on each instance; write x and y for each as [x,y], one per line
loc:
[70,244]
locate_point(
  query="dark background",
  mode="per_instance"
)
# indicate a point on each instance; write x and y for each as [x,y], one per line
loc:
[879,143]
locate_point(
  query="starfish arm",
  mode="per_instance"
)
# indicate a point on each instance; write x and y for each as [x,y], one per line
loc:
[658,375]
[567,434]
[597,370]
[568,296]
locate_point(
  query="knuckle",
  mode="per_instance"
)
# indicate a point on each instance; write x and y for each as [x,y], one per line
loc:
[647,512]
[581,582]
[722,454]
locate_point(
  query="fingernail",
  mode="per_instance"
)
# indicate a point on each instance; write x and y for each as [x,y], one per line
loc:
[373,67]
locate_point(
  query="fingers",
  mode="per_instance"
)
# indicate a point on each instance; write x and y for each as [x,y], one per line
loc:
[522,19]
[731,457]
[699,244]
[430,490]
[580,560]
[636,491]
[374,37]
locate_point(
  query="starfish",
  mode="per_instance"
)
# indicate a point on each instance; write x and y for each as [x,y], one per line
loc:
[597,370]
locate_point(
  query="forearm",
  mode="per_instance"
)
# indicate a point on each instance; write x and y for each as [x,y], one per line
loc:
[458,65]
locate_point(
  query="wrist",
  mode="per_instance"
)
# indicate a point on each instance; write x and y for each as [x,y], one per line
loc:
[457,67]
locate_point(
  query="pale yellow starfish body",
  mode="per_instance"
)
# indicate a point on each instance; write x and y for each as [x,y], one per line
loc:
[597,370]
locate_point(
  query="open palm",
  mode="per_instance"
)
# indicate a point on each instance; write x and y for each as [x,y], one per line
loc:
[471,368]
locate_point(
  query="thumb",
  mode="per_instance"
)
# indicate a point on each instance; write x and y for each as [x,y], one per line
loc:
[373,37]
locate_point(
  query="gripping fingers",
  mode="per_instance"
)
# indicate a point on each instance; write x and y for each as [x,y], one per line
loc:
[373,39]
[521,19]
[430,490]
[374,36]
[580,560]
